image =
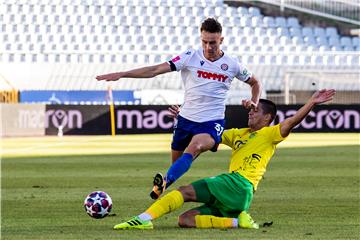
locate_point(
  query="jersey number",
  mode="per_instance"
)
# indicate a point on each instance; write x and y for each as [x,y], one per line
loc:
[219,129]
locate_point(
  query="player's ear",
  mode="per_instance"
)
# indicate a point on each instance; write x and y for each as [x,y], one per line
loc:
[221,40]
[267,117]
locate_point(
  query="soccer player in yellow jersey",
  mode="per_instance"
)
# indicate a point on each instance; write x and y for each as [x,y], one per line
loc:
[227,197]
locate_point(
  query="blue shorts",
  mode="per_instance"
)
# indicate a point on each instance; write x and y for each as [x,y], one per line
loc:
[185,129]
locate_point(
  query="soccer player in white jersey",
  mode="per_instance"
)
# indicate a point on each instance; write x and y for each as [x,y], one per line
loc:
[207,74]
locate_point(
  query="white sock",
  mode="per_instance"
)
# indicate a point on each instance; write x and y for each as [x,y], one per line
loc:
[146,217]
[235,223]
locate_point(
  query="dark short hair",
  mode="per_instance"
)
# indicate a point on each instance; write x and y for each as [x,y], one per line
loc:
[211,25]
[268,107]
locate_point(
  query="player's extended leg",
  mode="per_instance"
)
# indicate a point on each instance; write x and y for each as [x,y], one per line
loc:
[175,155]
[199,143]
[159,184]
[166,204]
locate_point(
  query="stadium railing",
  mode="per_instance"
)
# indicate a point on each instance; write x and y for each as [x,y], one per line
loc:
[343,10]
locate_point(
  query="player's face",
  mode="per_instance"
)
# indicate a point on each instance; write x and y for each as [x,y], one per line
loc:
[256,117]
[211,44]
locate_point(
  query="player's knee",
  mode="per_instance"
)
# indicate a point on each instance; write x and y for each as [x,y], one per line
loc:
[197,148]
[188,193]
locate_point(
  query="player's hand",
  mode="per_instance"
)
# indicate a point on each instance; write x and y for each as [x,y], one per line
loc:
[174,111]
[110,76]
[323,95]
[248,104]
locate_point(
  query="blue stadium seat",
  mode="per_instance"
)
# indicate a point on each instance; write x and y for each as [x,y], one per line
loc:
[269,21]
[293,22]
[280,22]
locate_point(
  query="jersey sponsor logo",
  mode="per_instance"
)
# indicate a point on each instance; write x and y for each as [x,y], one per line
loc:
[213,76]
[251,162]
[175,59]
[239,143]
[224,66]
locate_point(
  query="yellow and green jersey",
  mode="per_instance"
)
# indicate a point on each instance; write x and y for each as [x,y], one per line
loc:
[251,151]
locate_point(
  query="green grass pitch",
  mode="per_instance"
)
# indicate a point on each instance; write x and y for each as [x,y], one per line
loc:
[308,192]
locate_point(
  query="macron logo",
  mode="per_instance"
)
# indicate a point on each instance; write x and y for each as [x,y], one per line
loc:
[213,76]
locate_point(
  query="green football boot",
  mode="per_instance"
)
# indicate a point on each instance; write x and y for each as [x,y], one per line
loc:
[134,223]
[246,221]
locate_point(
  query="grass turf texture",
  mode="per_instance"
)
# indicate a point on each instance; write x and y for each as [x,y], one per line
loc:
[308,192]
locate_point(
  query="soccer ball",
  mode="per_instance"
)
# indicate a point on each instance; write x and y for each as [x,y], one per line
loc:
[98,204]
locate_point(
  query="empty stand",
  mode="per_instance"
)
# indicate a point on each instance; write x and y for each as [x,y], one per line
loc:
[139,32]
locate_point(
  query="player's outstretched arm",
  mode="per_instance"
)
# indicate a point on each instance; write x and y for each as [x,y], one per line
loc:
[318,97]
[255,93]
[143,72]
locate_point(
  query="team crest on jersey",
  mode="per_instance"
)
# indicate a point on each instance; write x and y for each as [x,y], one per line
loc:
[202,62]
[224,67]
[253,134]
[175,59]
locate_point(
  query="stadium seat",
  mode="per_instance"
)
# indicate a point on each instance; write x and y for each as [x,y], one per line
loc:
[322,41]
[268,21]
[245,22]
[295,32]
[259,31]
[297,40]
[282,31]
[280,22]
[346,42]
[293,22]
[248,31]
[331,32]
[247,59]
[271,32]
[319,32]
[281,59]
[256,21]
[242,11]
[270,59]
[310,40]
[355,41]
[254,11]
[307,32]
[334,41]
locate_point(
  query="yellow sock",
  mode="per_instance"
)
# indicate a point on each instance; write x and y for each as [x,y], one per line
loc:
[166,204]
[209,221]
